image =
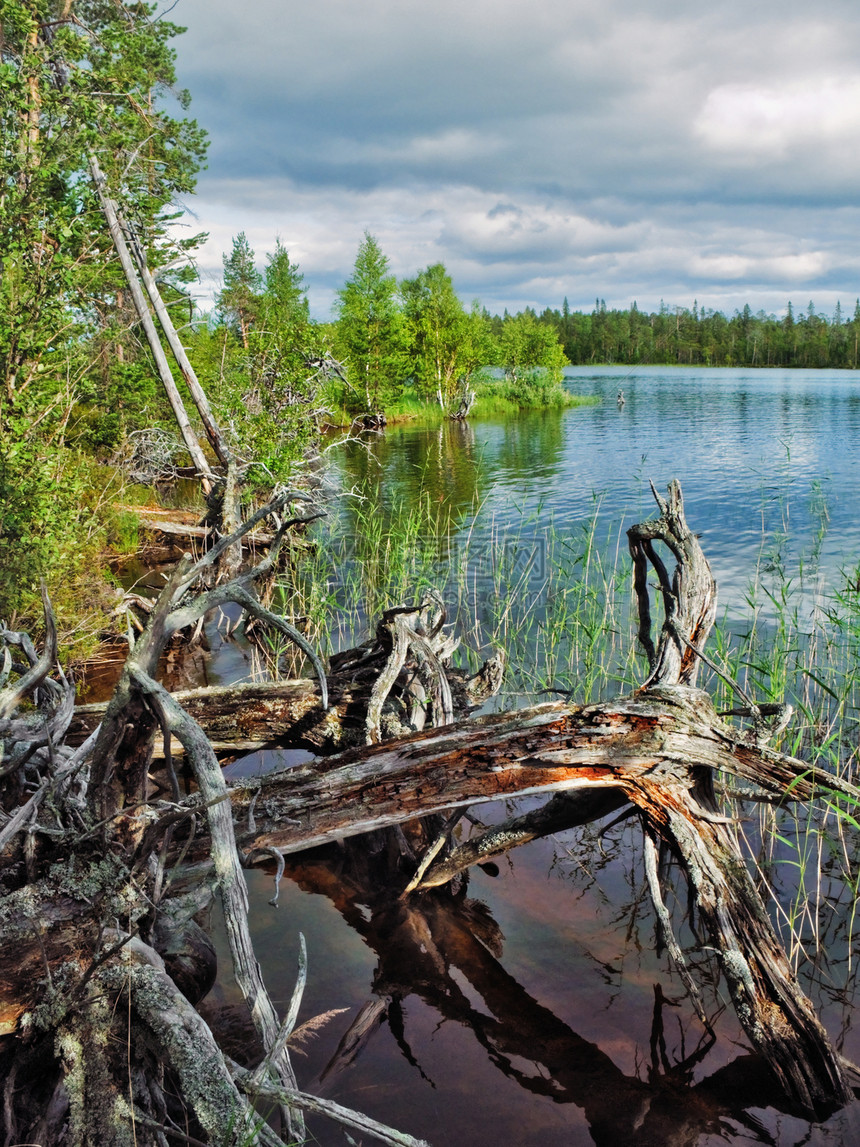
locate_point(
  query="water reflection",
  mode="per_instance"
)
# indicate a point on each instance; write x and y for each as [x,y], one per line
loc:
[768,462]
[746,446]
[405,467]
[541,1011]
[445,949]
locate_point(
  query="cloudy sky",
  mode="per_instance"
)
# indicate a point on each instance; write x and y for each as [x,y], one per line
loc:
[633,149]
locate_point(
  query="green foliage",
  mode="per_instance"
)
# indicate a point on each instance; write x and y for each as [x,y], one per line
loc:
[284,301]
[371,331]
[438,330]
[533,362]
[496,397]
[93,79]
[703,337]
[92,82]
[238,298]
[56,520]
[266,368]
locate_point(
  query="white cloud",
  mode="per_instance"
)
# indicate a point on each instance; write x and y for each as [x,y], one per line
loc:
[720,267]
[522,251]
[771,121]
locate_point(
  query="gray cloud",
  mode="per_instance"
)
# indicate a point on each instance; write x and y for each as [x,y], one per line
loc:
[642,150]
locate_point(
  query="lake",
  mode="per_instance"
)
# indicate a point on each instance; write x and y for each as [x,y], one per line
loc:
[532,1007]
[758,453]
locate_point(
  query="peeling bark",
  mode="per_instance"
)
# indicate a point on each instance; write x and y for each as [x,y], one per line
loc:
[287,714]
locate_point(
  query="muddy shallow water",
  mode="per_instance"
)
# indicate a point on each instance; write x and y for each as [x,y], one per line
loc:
[531,1008]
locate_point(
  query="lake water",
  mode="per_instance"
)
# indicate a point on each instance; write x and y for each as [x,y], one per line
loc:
[758,454]
[533,1008]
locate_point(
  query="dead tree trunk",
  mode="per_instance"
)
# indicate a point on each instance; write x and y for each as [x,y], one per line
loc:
[658,750]
[119,229]
[241,718]
[776,1015]
[201,400]
[162,365]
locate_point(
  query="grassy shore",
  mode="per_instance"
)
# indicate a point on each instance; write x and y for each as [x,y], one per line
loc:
[494,398]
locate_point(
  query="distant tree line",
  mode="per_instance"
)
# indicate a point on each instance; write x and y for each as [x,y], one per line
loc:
[704,337]
[392,342]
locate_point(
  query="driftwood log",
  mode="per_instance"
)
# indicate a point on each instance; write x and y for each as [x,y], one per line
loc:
[248,716]
[98,869]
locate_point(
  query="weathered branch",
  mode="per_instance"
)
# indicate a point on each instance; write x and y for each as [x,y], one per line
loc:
[11,696]
[231,884]
[111,214]
[186,1043]
[201,401]
[335,1111]
[689,601]
[776,1015]
[657,750]
[251,715]
[124,748]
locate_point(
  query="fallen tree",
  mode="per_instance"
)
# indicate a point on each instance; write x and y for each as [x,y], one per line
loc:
[96,893]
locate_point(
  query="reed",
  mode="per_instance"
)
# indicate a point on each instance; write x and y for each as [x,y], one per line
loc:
[800,644]
[558,601]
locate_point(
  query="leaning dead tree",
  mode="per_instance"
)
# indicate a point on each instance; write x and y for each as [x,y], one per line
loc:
[102,875]
[145,293]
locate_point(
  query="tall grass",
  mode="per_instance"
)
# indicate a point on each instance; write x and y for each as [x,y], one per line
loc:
[494,398]
[498,400]
[558,602]
[800,644]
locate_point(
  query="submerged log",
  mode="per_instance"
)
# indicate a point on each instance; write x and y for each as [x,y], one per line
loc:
[428,946]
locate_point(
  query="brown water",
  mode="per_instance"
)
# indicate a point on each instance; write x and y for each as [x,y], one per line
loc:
[530,1008]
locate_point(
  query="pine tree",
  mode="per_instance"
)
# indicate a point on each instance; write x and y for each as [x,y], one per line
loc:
[81,80]
[371,332]
[238,299]
[284,291]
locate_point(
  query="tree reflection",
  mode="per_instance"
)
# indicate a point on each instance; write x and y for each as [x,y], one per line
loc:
[428,945]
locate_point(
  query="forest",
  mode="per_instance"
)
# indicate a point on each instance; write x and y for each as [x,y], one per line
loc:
[699,336]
